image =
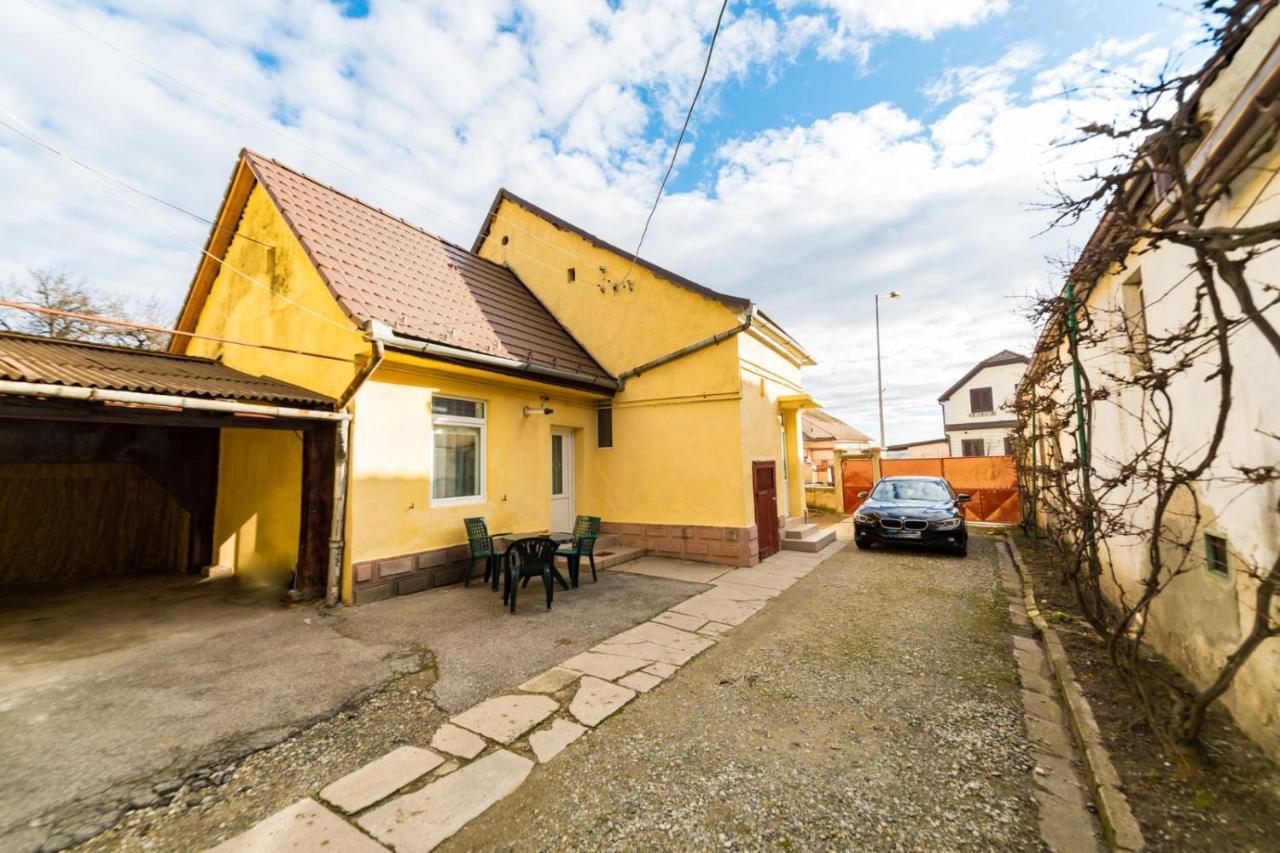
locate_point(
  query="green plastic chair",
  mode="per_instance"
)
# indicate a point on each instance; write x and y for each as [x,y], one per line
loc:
[525,559]
[585,530]
[481,542]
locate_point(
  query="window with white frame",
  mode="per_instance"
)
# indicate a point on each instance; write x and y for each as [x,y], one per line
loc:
[457,450]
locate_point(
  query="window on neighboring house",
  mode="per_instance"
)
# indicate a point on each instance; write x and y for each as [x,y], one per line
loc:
[1133,305]
[981,401]
[1215,554]
[457,450]
[1008,446]
[604,426]
[973,447]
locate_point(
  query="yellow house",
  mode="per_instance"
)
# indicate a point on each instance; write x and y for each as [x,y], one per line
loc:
[539,376]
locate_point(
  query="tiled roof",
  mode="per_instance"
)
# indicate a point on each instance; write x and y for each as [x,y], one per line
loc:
[384,269]
[24,358]
[817,425]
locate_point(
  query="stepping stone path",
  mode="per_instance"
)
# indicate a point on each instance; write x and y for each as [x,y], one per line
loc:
[417,822]
[455,741]
[608,676]
[382,778]
[596,700]
[505,718]
[550,742]
[554,679]
[304,826]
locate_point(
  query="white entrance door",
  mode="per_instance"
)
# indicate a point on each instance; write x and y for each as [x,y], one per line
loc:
[561,481]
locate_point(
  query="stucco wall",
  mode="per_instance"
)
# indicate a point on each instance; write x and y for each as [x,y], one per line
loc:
[259,505]
[1201,618]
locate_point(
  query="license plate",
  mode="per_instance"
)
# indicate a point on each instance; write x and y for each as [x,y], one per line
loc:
[903,534]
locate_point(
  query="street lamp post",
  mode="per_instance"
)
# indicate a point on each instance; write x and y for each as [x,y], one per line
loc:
[893,294]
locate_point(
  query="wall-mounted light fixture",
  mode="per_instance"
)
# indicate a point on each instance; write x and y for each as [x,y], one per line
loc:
[543,409]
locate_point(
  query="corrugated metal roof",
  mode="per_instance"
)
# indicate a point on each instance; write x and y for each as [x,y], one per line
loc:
[382,268]
[24,358]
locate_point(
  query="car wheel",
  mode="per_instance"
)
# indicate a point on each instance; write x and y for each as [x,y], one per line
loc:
[961,550]
[862,544]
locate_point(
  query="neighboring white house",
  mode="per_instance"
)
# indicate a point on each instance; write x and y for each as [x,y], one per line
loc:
[929,448]
[824,436]
[975,414]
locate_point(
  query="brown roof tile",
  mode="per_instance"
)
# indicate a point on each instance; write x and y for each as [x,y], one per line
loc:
[24,358]
[384,269]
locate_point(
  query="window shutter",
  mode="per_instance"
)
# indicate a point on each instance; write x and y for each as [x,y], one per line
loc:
[981,400]
[604,426]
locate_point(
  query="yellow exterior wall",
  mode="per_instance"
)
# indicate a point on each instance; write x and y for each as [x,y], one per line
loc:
[767,375]
[265,249]
[259,506]
[391,456]
[622,327]
[259,487]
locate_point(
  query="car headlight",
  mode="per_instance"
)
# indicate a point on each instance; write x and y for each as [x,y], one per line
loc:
[866,518]
[946,523]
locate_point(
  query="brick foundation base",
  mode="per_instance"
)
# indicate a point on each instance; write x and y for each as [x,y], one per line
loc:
[390,576]
[729,546]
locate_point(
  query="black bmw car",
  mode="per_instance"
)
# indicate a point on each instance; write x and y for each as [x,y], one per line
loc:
[912,511]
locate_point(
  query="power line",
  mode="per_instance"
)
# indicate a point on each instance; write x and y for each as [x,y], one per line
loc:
[149,327]
[683,130]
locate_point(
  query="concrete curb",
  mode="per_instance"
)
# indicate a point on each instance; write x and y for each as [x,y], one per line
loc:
[1118,823]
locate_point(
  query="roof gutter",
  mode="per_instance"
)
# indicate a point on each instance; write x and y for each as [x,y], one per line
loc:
[383,333]
[71,392]
[718,337]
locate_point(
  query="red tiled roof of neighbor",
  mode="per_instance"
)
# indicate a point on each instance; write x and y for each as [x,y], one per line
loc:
[817,425]
[382,268]
[50,361]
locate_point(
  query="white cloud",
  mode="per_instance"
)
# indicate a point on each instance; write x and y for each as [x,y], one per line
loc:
[444,102]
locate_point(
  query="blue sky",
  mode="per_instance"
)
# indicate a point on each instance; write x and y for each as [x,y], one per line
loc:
[844,147]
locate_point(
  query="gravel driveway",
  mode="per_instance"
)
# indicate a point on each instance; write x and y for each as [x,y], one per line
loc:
[874,706]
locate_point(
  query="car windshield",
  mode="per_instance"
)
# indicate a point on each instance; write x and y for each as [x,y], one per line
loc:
[911,490]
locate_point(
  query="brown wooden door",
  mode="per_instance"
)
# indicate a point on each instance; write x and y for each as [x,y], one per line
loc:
[764,478]
[317,512]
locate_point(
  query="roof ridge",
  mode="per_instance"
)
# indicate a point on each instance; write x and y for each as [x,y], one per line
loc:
[356,199]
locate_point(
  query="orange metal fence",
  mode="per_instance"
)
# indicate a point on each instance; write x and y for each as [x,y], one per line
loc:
[991,482]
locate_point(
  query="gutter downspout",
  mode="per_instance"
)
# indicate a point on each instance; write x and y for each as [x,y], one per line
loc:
[337,525]
[382,333]
[718,337]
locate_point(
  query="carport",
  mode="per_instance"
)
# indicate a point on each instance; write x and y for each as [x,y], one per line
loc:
[118,462]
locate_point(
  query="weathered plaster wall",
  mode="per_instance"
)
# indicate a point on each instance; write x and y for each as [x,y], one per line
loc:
[255,530]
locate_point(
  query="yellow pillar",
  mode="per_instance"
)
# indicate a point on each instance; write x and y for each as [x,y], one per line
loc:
[793,451]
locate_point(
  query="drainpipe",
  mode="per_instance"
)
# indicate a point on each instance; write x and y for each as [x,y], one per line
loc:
[341,468]
[381,332]
[683,351]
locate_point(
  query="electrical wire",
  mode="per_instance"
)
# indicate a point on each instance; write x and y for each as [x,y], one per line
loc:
[149,327]
[675,152]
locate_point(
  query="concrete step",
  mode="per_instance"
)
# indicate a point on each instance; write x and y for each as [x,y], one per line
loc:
[812,542]
[606,557]
[800,531]
[608,542]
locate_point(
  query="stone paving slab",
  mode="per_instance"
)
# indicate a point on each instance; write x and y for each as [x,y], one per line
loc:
[460,742]
[679,620]
[662,670]
[602,664]
[550,742]
[505,718]
[596,700]
[379,779]
[774,580]
[304,826]
[646,652]
[418,822]
[664,635]
[641,682]
[556,678]
[742,592]
[718,609]
[715,629]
